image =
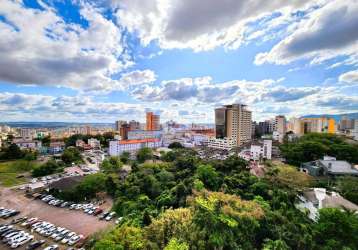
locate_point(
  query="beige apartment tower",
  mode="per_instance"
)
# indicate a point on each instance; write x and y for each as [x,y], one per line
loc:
[233,122]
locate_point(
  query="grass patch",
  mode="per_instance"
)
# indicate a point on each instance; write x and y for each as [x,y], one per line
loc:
[11,169]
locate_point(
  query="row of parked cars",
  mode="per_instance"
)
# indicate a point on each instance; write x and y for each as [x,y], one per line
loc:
[47,229]
[7,213]
[88,208]
[14,237]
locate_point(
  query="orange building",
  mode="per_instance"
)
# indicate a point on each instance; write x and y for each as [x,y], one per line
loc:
[153,121]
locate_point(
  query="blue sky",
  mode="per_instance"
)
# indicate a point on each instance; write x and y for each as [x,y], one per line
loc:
[100,61]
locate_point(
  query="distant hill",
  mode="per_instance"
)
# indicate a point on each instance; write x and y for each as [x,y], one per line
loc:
[335,117]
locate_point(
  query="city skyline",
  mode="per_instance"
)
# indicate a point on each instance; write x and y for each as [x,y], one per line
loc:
[90,61]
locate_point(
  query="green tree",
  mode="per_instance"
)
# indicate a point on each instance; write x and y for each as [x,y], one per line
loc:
[174,244]
[348,187]
[13,152]
[208,175]
[144,154]
[125,157]
[47,168]
[336,229]
[71,155]
[175,145]
[111,165]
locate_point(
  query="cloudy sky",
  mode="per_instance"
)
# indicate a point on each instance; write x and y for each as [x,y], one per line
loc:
[103,60]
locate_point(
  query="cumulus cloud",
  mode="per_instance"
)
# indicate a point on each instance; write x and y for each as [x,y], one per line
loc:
[40,47]
[349,77]
[339,102]
[199,25]
[327,32]
[203,90]
[282,94]
[75,108]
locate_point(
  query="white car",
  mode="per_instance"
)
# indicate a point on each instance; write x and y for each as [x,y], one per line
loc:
[62,235]
[75,239]
[68,238]
[110,216]
[15,237]
[52,247]
[29,221]
[21,241]
[58,231]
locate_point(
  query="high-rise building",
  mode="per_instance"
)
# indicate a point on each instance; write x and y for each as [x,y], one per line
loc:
[318,125]
[345,123]
[263,128]
[123,131]
[134,125]
[233,122]
[280,124]
[153,121]
[119,124]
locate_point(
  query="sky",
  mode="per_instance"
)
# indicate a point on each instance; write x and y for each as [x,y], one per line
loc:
[107,60]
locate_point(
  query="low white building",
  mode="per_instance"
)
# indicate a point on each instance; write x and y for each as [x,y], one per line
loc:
[318,198]
[27,144]
[94,143]
[117,147]
[224,144]
[257,151]
[277,136]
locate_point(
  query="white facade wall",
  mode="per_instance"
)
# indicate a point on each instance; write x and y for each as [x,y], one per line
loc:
[224,144]
[116,149]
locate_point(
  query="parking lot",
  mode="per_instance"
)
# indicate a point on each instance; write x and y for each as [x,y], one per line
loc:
[76,221]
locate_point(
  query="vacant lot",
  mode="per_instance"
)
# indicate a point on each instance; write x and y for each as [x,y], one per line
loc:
[10,170]
[76,221]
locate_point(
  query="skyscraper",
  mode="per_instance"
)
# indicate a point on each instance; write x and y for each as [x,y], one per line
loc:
[119,124]
[234,122]
[280,124]
[153,121]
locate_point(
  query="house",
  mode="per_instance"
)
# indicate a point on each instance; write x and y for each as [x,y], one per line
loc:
[329,166]
[56,147]
[317,198]
[28,144]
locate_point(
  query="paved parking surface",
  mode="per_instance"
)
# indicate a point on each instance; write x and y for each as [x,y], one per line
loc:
[76,221]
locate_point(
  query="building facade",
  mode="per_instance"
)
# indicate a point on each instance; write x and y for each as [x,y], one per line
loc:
[152,121]
[117,147]
[233,122]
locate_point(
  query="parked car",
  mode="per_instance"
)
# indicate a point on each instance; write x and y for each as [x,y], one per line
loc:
[110,216]
[21,241]
[29,222]
[75,239]
[68,238]
[97,211]
[35,244]
[52,247]
[103,216]
[18,220]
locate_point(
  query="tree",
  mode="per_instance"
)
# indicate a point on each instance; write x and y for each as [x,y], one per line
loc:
[125,157]
[111,165]
[12,152]
[47,168]
[275,245]
[348,187]
[226,221]
[124,237]
[144,154]
[174,244]
[46,141]
[174,145]
[208,175]
[71,155]
[336,229]
[172,223]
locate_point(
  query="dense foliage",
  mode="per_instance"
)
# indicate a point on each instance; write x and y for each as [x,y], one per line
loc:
[71,155]
[314,146]
[183,202]
[104,139]
[47,168]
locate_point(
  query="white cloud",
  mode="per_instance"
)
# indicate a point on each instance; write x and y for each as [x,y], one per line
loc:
[349,77]
[40,47]
[199,25]
[19,106]
[325,33]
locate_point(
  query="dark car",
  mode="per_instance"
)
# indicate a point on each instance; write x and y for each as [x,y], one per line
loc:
[35,244]
[18,220]
[13,213]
